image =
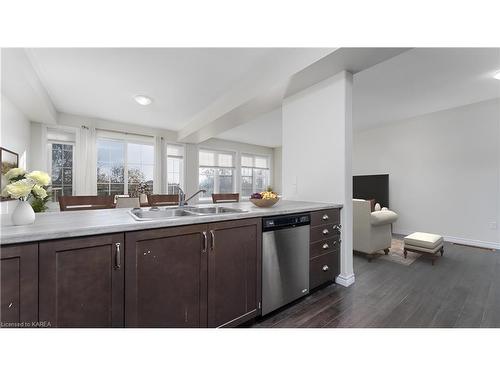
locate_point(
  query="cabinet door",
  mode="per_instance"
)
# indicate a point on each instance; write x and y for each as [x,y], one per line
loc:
[234,271]
[166,277]
[81,281]
[19,285]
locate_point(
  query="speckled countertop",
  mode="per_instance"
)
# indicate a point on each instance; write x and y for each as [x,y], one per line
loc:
[52,225]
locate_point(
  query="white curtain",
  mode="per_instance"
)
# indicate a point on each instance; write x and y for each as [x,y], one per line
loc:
[86,162]
[160,166]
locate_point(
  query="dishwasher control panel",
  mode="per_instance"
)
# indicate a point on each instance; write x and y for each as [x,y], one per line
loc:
[285,221]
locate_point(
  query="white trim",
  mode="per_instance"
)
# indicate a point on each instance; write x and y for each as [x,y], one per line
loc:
[460,240]
[346,281]
[48,147]
[184,165]
[126,137]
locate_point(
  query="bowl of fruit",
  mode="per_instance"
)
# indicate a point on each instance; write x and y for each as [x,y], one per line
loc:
[264,199]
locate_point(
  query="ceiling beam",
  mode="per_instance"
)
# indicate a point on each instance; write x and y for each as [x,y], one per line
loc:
[259,95]
[257,83]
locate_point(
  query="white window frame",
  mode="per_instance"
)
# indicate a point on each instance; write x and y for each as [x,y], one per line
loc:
[216,175]
[126,141]
[49,144]
[253,156]
[184,165]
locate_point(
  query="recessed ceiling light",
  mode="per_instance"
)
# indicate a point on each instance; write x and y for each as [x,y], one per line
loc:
[143,100]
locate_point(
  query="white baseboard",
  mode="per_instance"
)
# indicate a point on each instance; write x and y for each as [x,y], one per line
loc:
[459,240]
[345,280]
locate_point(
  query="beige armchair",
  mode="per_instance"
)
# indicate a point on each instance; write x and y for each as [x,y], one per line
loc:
[371,230]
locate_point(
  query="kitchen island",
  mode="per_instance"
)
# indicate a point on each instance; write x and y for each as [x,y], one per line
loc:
[102,268]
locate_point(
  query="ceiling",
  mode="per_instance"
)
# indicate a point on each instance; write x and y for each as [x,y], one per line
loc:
[265,130]
[208,92]
[101,82]
[416,82]
[424,80]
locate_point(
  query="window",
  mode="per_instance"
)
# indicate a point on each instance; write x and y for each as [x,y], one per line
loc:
[216,171]
[175,168]
[61,169]
[140,166]
[123,165]
[255,174]
[60,151]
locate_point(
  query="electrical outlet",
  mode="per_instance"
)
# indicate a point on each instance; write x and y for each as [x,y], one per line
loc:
[493,225]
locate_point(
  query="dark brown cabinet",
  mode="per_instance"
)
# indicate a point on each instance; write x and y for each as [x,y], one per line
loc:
[81,282]
[234,272]
[166,277]
[19,285]
[193,276]
[323,269]
[324,250]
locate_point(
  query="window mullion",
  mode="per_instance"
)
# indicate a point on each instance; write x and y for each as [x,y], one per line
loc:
[254,185]
[216,180]
[125,169]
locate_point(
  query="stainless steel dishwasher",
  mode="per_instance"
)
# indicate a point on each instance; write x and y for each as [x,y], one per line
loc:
[285,260]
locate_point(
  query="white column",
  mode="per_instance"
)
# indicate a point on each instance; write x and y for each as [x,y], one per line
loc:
[317,142]
[191,170]
[346,276]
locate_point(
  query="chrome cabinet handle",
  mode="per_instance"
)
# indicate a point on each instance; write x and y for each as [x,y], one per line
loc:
[325,246]
[337,227]
[325,268]
[205,242]
[212,234]
[117,256]
[334,243]
[326,231]
[325,217]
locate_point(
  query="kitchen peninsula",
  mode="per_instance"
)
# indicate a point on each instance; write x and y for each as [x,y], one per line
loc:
[103,268]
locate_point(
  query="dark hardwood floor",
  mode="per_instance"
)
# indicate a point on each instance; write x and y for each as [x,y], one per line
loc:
[462,289]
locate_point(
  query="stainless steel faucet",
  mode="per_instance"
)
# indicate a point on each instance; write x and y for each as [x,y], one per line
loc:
[182,196]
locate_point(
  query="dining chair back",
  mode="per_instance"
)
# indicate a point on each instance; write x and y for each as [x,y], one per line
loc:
[127,202]
[84,202]
[163,199]
[226,198]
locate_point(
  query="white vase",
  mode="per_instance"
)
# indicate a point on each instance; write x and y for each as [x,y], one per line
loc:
[23,214]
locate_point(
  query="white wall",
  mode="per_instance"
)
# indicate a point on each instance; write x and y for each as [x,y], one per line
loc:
[277,165]
[444,171]
[317,136]
[15,133]
[14,136]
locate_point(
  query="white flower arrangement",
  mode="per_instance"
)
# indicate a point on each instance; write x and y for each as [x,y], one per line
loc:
[22,185]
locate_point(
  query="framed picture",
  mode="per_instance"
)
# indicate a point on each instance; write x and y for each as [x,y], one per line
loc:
[8,159]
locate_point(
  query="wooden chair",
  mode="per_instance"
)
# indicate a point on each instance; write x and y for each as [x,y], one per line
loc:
[84,202]
[127,202]
[226,198]
[163,199]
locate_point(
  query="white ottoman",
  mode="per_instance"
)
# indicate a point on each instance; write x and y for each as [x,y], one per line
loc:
[427,244]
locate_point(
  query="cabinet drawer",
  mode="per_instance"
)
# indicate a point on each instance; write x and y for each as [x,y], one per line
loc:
[324,246]
[323,269]
[324,232]
[323,217]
